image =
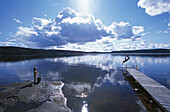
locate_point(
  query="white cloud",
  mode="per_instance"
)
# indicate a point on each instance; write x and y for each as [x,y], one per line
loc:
[162,32]
[66,13]
[40,23]
[7,43]
[72,27]
[168,24]
[137,29]
[25,32]
[122,30]
[155,7]
[77,20]
[0,33]
[45,15]
[159,32]
[17,20]
[145,33]
[165,31]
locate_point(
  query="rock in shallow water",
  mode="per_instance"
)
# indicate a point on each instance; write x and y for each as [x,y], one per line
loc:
[43,97]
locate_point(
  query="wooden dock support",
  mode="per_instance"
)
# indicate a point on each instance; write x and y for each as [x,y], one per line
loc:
[158,92]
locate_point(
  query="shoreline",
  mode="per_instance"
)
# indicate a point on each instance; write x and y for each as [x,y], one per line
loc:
[25,96]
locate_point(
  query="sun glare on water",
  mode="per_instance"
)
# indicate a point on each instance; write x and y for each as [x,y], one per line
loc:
[84,108]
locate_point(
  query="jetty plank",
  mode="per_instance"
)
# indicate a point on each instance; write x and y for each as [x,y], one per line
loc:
[159,93]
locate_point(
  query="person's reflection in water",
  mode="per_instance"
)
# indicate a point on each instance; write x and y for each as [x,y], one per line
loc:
[126,59]
[125,76]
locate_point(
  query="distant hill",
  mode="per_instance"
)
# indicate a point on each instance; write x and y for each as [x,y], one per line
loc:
[144,51]
[19,51]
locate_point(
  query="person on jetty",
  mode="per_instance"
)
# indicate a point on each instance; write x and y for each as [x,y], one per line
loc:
[35,74]
[126,59]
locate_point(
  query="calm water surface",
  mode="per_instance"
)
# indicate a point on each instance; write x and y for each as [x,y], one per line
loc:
[97,76]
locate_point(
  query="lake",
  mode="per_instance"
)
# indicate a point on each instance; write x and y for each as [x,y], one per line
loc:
[99,77]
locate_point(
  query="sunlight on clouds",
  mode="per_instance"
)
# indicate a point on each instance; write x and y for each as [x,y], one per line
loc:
[77,20]
[82,5]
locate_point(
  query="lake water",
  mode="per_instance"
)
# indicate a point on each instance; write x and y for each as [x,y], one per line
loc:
[97,76]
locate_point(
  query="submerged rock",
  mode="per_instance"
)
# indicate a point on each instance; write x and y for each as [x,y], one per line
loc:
[43,97]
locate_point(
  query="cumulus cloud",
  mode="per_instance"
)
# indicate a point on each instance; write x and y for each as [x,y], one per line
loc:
[69,27]
[137,29]
[122,30]
[17,20]
[43,33]
[155,7]
[82,28]
[72,27]
[25,32]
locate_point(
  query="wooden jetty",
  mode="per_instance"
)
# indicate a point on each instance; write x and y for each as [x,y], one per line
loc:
[158,92]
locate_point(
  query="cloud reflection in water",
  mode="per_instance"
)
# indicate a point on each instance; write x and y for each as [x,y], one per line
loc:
[88,74]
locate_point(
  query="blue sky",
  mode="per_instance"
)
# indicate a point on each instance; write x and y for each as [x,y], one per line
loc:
[88,25]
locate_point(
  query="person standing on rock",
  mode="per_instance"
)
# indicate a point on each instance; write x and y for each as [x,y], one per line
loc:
[35,74]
